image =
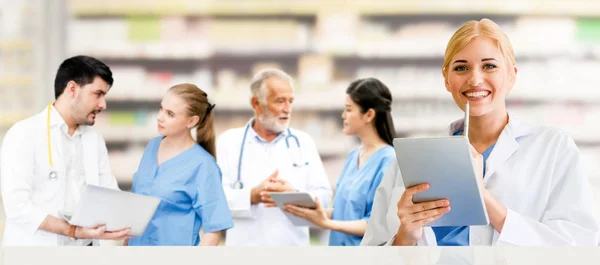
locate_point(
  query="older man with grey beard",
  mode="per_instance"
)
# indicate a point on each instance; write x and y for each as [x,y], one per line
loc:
[267,156]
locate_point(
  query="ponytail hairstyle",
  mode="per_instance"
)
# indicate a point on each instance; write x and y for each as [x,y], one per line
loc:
[370,93]
[198,105]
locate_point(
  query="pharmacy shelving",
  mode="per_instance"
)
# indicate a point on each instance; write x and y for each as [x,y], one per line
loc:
[292,58]
[580,8]
[27,57]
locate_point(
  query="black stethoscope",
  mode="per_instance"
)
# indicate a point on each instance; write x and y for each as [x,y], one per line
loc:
[53,175]
[238,183]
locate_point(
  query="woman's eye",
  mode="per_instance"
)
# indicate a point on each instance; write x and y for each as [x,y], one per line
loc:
[489,66]
[460,68]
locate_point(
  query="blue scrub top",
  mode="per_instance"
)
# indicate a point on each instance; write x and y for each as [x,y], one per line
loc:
[458,235]
[355,191]
[191,193]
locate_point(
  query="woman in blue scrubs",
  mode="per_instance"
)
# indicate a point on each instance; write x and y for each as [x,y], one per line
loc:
[183,173]
[367,114]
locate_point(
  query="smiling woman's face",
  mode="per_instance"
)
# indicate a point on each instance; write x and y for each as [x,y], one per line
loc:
[479,74]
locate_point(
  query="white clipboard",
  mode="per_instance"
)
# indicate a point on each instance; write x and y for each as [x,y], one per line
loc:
[114,208]
[301,199]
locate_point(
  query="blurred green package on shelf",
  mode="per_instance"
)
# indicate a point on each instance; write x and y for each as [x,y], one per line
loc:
[127,117]
[146,28]
[588,30]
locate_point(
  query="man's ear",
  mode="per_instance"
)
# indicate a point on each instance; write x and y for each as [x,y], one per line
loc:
[71,89]
[256,106]
[254,102]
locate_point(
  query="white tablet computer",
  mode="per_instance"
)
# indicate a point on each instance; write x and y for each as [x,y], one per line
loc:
[301,199]
[446,164]
[114,208]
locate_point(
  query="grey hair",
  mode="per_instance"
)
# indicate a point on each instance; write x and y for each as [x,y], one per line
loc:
[258,87]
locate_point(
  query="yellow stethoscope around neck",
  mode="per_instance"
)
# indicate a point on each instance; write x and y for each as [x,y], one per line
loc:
[53,175]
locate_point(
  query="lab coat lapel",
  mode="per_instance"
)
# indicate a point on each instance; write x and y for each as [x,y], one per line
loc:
[506,145]
[90,157]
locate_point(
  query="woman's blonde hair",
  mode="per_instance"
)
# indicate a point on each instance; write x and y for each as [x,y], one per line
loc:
[485,28]
[198,105]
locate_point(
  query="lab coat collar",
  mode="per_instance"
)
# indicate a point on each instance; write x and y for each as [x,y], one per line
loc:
[252,135]
[56,120]
[506,145]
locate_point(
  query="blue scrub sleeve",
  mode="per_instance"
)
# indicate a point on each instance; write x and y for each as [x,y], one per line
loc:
[210,203]
[383,166]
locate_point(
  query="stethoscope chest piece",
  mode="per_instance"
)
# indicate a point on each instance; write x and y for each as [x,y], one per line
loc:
[238,185]
[53,175]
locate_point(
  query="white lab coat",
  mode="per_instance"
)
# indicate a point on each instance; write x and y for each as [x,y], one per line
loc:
[535,172]
[28,193]
[256,225]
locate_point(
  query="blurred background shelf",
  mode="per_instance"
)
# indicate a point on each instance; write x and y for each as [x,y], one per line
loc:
[7,119]
[579,8]
[347,60]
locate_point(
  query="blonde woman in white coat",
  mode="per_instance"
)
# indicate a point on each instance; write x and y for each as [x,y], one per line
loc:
[535,189]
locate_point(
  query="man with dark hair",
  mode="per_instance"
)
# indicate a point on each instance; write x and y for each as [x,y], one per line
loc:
[46,160]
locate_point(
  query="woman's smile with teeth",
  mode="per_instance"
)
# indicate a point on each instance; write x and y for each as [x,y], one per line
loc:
[478,94]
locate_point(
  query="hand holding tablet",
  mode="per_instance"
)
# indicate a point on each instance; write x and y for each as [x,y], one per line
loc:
[446,174]
[301,199]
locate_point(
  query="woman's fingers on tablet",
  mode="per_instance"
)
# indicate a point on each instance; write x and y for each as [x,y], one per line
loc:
[419,188]
[424,206]
[425,221]
[432,209]
[405,204]
[430,213]
[418,220]
[408,193]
